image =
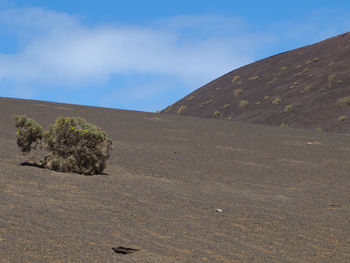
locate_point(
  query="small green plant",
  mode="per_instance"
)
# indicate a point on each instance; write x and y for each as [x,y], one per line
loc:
[235,78]
[190,98]
[332,76]
[28,132]
[74,144]
[226,106]
[238,92]
[308,88]
[295,85]
[308,62]
[216,113]
[283,125]
[316,59]
[319,129]
[306,70]
[283,68]
[239,83]
[310,75]
[266,97]
[272,81]
[258,102]
[207,102]
[342,118]
[217,89]
[243,104]
[276,100]
[181,109]
[323,89]
[339,81]
[254,78]
[299,66]
[343,102]
[288,108]
[331,64]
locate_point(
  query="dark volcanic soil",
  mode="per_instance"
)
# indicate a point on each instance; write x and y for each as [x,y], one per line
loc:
[284,193]
[300,88]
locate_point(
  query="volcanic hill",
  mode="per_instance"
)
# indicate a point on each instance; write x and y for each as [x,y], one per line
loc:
[308,87]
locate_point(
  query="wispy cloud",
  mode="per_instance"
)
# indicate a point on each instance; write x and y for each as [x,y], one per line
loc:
[57,49]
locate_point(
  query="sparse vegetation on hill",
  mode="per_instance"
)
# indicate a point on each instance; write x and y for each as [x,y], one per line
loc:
[74,144]
[311,78]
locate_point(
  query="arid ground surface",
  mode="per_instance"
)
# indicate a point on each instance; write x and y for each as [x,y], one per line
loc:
[284,192]
[308,88]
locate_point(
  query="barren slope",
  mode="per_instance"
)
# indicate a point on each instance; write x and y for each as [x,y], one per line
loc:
[300,88]
[284,193]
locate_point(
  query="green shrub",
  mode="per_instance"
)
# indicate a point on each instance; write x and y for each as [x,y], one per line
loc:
[342,118]
[319,129]
[254,78]
[307,88]
[226,106]
[266,97]
[190,98]
[308,62]
[77,146]
[235,78]
[332,76]
[316,59]
[288,108]
[272,81]
[283,125]
[258,102]
[216,113]
[238,92]
[343,102]
[74,144]
[283,68]
[28,132]
[181,109]
[243,103]
[276,100]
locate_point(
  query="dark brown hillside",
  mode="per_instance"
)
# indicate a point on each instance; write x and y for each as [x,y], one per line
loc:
[307,87]
[284,193]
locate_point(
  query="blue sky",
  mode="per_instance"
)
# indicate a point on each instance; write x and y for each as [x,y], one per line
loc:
[145,55]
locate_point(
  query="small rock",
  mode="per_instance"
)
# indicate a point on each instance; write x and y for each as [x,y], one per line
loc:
[218,210]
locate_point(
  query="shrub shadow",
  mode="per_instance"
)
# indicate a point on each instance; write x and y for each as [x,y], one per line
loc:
[32,165]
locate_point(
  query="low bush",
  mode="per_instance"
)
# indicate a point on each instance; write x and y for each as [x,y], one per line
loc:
[74,145]
[237,92]
[243,104]
[343,102]
[28,132]
[181,109]
[216,114]
[288,108]
[342,118]
[276,100]
[332,76]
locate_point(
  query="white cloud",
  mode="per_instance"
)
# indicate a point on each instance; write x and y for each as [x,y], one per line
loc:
[58,49]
